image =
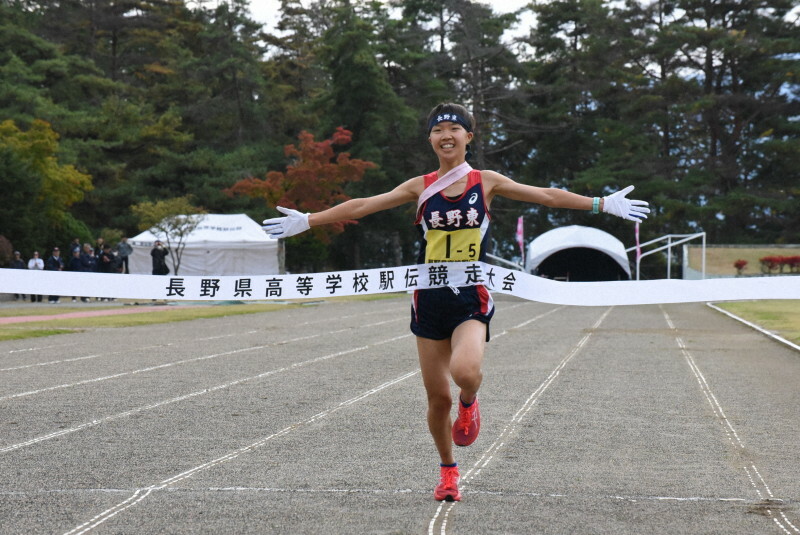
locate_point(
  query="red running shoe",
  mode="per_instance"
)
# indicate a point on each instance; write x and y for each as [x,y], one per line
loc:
[467,425]
[447,489]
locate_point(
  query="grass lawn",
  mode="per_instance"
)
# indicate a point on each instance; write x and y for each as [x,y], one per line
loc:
[33,329]
[781,317]
[719,260]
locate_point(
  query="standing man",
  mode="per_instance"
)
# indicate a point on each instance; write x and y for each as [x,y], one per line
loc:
[36,263]
[74,264]
[159,254]
[18,263]
[75,245]
[54,263]
[124,250]
[98,247]
[88,263]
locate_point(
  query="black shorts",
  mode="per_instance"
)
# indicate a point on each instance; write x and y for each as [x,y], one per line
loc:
[436,312]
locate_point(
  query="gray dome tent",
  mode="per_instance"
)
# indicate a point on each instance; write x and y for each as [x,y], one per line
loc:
[578,253]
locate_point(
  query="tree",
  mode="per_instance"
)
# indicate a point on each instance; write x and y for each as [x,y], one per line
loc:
[20,187]
[315,180]
[174,219]
[39,189]
[742,57]
[360,97]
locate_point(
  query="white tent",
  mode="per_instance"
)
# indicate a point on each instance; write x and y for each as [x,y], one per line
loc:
[553,246]
[220,245]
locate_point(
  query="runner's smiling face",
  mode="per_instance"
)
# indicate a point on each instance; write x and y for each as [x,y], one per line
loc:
[449,140]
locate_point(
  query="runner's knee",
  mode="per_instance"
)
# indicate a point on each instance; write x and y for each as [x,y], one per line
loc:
[466,374]
[440,402]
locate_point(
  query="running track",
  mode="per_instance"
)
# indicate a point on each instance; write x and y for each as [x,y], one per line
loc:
[655,419]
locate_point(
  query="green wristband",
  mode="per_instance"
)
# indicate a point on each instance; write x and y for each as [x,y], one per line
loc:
[596,205]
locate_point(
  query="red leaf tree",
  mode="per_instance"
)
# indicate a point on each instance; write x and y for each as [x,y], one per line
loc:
[313,181]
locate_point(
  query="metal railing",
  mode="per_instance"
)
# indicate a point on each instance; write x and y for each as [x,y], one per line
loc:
[682,238]
[504,261]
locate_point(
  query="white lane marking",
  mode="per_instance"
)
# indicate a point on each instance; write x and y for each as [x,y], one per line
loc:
[50,363]
[754,326]
[772,499]
[137,410]
[426,492]
[26,349]
[511,426]
[197,393]
[758,483]
[141,494]
[179,362]
[87,357]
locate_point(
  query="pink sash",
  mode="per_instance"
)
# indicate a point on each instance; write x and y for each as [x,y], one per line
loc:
[441,183]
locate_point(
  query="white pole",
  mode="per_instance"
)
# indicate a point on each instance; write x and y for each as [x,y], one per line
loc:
[669,257]
[704,255]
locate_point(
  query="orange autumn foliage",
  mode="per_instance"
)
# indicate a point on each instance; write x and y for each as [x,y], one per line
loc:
[313,181]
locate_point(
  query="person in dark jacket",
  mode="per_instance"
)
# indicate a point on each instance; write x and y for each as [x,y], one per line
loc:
[75,264]
[107,261]
[54,263]
[18,263]
[159,254]
[88,263]
[88,259]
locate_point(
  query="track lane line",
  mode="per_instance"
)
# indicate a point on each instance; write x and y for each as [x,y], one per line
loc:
[511,426]
[141,494]
[151,406]
[759,484]
[197,393]
[181,362]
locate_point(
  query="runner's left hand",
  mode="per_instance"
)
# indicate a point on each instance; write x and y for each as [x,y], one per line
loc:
[619,205]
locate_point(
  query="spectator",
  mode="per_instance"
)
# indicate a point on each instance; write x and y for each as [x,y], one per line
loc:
[54,263]
[107,261]
[18,263]
[75,245]
[75,265]
[124,250]
[159,254]
[88,259]
[88,262]
[36,263]
[98,247]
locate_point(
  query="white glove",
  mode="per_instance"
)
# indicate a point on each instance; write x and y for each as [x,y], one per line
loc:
[283,227]
[617,204]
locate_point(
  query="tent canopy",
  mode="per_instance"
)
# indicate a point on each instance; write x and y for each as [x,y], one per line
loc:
[222,244]
[578,253]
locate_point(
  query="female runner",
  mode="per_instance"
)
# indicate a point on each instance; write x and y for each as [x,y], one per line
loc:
[452,324]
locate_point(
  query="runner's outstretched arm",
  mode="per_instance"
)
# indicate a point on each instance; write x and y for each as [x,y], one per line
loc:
[295,222]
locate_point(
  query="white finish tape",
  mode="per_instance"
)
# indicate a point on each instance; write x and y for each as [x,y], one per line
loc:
[396,279]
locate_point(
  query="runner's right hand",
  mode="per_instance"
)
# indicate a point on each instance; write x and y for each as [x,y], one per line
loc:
[282,227]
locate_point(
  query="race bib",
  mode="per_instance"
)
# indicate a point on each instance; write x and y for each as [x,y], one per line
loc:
[453,246]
